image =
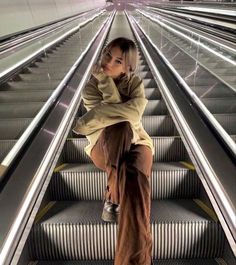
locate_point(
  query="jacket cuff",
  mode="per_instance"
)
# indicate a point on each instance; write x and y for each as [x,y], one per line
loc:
[100,76]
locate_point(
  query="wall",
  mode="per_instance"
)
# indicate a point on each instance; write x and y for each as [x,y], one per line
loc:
[18,15]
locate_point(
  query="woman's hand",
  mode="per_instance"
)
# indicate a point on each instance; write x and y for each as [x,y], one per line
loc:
[98,72]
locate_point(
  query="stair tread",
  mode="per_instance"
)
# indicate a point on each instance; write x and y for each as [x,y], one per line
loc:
[74,167]
[88,212]
[110,262]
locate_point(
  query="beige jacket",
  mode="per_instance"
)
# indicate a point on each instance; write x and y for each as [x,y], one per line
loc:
[108,104]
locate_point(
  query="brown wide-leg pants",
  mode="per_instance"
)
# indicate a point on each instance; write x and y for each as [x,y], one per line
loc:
[128,168]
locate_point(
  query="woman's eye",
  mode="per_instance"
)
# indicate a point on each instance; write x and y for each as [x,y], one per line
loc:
[119,62]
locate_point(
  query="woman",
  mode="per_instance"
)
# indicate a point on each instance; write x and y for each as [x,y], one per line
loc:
[115,101]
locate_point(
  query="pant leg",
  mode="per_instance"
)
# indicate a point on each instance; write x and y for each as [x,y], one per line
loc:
[110,150]
[129,169]
[134,244]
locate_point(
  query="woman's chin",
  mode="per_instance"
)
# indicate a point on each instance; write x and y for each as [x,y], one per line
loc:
[107,72]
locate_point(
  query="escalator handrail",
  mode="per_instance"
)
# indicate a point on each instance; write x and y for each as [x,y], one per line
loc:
[215,32]
[214,188]
[12,154]
[220,130]
[200,36]
[35,186]
[42,32]
[214,19]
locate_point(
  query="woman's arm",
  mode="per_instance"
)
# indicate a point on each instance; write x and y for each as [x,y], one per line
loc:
[102,116]
[100,90]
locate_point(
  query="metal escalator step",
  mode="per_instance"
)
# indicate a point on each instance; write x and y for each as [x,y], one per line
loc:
[143,68]
[42,77]
[110,262]
[34,84]
[220,105]
[223,71]
[74,230]
[39,70]
[201,81]
[5,147]
[161,125]
[216,90]
[52,65]
[13,128]
[155,107]
[149,83]
[86,182]
[228,122]
[152,93]
[229,78]
[19,110]
[169,149]
[24,96]
[145,74]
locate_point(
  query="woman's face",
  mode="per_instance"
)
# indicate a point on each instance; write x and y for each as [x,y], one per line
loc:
[113,63]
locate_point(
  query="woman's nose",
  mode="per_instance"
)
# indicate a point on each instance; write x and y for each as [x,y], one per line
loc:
[110,62]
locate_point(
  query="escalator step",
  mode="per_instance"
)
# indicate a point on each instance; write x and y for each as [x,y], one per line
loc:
[13,128]
[5,146]
[154,107]
[106,262]
[74,230]
[86,182]
[166,149]
[24,96]
[19,110]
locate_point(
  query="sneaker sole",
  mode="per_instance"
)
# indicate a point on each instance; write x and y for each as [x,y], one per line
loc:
[108,217]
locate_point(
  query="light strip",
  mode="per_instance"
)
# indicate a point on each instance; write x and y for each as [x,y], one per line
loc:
[5,72]
[199,152]
[209,10]
[18,145]
[188,38]
[44,164]
[208,20]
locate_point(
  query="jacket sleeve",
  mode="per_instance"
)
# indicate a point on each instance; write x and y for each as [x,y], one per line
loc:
[102,116]
[100,90]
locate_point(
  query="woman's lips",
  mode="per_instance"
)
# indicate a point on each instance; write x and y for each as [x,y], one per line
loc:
[106,68]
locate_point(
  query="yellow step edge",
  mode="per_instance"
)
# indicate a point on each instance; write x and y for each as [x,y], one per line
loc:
[206,209]
[59,168]
[188,165]
[44,211]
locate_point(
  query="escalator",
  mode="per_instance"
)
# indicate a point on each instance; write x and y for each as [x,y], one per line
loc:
[24,95]
[185,229]
[206,67]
